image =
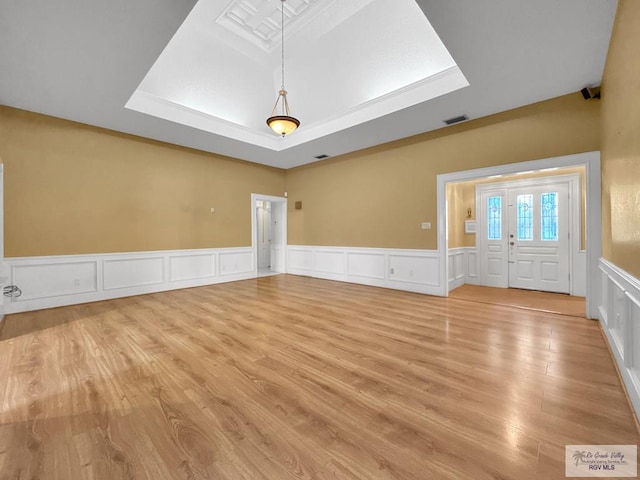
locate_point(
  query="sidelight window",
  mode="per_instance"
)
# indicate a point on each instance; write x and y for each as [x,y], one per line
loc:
[549,216]
[525,217]
[494,218]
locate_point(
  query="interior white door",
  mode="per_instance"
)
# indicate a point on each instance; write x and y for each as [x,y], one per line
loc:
[263,212]
[493,233]
[539,245]
[278,236]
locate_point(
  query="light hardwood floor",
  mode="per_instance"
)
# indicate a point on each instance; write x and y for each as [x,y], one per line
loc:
[290,377]
[529,299]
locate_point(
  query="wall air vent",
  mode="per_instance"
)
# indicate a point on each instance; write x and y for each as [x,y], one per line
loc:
[459,119]
[322,157]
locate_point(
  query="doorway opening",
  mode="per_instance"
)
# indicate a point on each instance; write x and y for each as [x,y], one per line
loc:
[268,234]
[562,258]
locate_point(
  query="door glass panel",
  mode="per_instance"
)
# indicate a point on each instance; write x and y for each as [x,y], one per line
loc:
[525,217]
[494,216]
[549,212]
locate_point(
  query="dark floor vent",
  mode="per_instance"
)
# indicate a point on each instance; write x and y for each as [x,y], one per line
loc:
[459,119]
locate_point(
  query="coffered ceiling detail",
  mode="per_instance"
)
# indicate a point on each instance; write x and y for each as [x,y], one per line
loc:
[259,21]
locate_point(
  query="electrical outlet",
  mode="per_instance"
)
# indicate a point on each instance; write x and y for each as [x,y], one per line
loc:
[426,225]
[392,271]
[213,210]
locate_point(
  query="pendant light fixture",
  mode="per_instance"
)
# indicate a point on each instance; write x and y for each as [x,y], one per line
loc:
[282,123]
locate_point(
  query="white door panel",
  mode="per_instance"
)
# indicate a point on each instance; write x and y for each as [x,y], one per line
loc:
[539,238]
[493,232]
[278,239]
[264,234]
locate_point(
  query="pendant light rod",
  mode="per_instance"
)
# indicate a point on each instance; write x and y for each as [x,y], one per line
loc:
[285,123]
[282,38]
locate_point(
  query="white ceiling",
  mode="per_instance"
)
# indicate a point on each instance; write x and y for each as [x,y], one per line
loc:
[345,66]
[359,73]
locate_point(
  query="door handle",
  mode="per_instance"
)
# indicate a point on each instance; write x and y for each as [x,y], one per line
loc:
[512,243]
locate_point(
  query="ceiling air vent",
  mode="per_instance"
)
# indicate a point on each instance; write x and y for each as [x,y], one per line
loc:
[459,119]
[322,157]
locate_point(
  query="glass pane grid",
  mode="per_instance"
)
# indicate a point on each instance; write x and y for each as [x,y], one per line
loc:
[494,218]
[549,216]
[525,217]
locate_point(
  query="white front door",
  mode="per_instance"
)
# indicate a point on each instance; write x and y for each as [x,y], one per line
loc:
[538,224]
[494,258]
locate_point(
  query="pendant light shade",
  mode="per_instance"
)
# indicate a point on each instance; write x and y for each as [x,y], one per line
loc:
[282,124]
[281,121]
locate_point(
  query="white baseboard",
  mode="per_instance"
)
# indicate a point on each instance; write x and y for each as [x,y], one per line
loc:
[400,269]
[55,281]
[620,319]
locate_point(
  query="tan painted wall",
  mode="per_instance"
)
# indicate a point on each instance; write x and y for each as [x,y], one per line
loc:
[462,195]
[621,142]
[378,197]
[71,188]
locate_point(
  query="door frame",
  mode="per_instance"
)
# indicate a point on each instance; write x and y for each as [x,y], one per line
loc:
[3,276]
[571,179]
[255,197]
[591,162]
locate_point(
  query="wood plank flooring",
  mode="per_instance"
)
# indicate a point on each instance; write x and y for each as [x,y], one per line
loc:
[296,378]
[529,299]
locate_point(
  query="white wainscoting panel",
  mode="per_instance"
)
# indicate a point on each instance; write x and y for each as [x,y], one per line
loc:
[473,266]
[457,268]
[234,263]
[410,270]
[56,279]
[132,272]
[367,265]
[70,279]
[330,263]
[191,267]
[619,314]
[462,266]
[300,261]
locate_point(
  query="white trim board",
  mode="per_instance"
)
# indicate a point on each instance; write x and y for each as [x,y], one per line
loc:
[619,314]
[55,281]
[279,263]
[591,161]
[399,269]
[3,276]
